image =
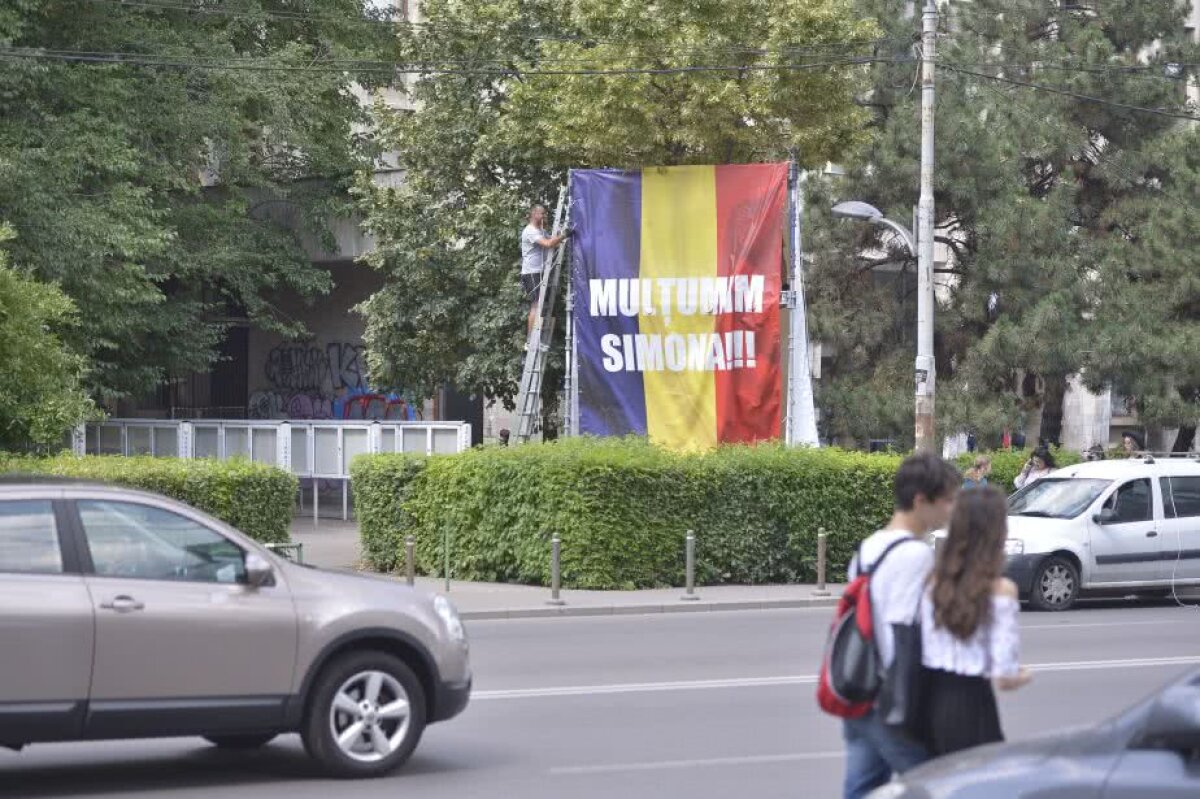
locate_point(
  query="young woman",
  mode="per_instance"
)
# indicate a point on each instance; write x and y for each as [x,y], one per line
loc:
[969,635]
[977,475]
[1040,464]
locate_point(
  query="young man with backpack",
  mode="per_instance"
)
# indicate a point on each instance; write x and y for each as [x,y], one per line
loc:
[898,563]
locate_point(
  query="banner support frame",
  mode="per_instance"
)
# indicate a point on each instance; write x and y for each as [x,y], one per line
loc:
[800,421]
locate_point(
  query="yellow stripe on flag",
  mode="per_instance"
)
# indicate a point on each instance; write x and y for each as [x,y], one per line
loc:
[679,240]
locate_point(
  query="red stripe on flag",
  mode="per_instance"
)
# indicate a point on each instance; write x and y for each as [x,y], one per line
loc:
[750,202]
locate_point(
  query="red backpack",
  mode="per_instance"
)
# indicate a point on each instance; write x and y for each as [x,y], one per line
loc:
[851,671]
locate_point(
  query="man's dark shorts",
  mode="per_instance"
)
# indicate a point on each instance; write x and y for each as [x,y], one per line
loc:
[529,286]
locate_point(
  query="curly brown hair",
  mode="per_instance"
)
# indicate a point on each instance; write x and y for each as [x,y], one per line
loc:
[970,560]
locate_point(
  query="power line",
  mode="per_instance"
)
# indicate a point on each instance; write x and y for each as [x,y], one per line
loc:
[1087,98]
[381,67]
[397,20]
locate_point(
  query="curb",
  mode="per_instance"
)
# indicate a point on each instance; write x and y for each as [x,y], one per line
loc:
[645,609]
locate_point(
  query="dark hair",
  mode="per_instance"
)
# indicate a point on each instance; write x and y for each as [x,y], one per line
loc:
[970,560]
[926,475]
[1043,454]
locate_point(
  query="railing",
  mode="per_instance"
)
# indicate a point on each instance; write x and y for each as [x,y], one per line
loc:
[317,450]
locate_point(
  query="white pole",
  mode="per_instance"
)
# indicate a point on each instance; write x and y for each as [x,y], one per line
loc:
[570,388]
[801,416]
[925,376]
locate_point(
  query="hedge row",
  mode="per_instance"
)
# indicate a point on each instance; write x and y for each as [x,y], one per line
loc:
[254,498]
[621,508]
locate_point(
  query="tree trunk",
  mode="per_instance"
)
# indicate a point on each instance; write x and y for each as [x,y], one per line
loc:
[1052,409]
[1186,438]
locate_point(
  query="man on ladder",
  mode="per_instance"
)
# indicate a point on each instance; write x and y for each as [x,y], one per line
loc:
[535,247]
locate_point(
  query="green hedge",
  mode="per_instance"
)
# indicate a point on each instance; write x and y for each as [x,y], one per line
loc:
[254,498]
[622,508]
[1007,464]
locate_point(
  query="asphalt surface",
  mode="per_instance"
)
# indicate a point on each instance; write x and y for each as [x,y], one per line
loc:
[689,705]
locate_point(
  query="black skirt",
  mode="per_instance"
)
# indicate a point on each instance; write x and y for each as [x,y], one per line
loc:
[961,712]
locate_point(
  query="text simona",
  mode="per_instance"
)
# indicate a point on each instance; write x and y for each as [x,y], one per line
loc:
[675,352]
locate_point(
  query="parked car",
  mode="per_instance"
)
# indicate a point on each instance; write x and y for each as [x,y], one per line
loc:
[128,615]
[1103,527]
[1151,750]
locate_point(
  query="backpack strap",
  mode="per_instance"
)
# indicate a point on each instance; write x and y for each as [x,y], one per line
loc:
[879,560]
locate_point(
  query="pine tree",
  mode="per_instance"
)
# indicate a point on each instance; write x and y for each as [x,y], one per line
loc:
[1037,191]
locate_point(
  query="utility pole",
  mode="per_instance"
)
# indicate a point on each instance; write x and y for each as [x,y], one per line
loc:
[926,439]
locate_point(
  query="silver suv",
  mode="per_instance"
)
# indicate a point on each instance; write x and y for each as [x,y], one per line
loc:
[128,615]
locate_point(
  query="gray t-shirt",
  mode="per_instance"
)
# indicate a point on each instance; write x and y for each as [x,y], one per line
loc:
[532,254]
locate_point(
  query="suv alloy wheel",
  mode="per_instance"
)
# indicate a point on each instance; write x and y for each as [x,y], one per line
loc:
[365,715]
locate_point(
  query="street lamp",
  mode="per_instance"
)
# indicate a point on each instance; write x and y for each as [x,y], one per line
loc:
[923,406]
[865,212]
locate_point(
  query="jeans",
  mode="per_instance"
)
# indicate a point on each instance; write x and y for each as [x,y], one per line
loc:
[874,753]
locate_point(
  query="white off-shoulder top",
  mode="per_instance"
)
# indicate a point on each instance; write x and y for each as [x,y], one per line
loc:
[994,650]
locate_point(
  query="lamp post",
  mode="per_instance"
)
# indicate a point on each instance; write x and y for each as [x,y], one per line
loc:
[865,212]
[923,404]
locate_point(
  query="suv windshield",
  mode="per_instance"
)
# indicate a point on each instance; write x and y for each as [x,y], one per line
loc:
[1056,497]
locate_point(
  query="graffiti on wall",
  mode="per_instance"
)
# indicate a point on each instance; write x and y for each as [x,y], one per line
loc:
[310,381]
[311,368]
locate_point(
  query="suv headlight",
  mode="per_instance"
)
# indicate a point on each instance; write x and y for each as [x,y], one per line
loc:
[449,616]
[1014,546]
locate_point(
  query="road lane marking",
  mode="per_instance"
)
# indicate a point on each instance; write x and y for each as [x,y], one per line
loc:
[794,679]
[645,687]
[749,760]
[1080,625]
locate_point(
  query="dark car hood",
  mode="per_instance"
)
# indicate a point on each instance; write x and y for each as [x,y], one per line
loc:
[995,762]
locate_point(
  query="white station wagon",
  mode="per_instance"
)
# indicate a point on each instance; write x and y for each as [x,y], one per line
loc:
[1106,526]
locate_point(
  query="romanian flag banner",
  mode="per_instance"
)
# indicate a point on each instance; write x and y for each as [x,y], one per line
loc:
[676,274]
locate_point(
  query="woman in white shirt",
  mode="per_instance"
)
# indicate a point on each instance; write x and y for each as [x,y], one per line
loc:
[1040,464]
[969,635]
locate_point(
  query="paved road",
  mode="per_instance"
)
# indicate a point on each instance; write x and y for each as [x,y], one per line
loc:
[697,706]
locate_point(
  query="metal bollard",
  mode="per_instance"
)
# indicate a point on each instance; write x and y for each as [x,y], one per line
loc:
[555,572]
[690,566]
[410,564]
[822,554]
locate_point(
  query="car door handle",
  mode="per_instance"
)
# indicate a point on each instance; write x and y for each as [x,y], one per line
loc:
[123,604]
[1152,534]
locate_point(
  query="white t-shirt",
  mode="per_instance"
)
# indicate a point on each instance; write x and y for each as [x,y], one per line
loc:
[897,586]
[533,255]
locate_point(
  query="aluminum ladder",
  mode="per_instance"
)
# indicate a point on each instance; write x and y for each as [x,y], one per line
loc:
[537,346]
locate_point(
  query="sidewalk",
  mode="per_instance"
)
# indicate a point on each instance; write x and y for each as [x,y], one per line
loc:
[334,545]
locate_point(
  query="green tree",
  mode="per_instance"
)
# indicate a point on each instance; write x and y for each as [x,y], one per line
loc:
[512,94]
[1037,195]
[41,394]
[147,184]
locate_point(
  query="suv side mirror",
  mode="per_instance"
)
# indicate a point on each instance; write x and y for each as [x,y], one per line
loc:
[1105,516]
[1174,721]
[259,572]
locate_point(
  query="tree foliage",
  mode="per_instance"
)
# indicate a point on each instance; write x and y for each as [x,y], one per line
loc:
[1063,217]
[148,192]
[503,112]
[41,393]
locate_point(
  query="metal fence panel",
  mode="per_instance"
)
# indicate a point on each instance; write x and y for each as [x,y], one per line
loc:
[316,449]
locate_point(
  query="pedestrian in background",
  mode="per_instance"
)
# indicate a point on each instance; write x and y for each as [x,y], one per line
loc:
[1132,443]
[1040,464]
[969,633]
[977,475]
[924,489]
